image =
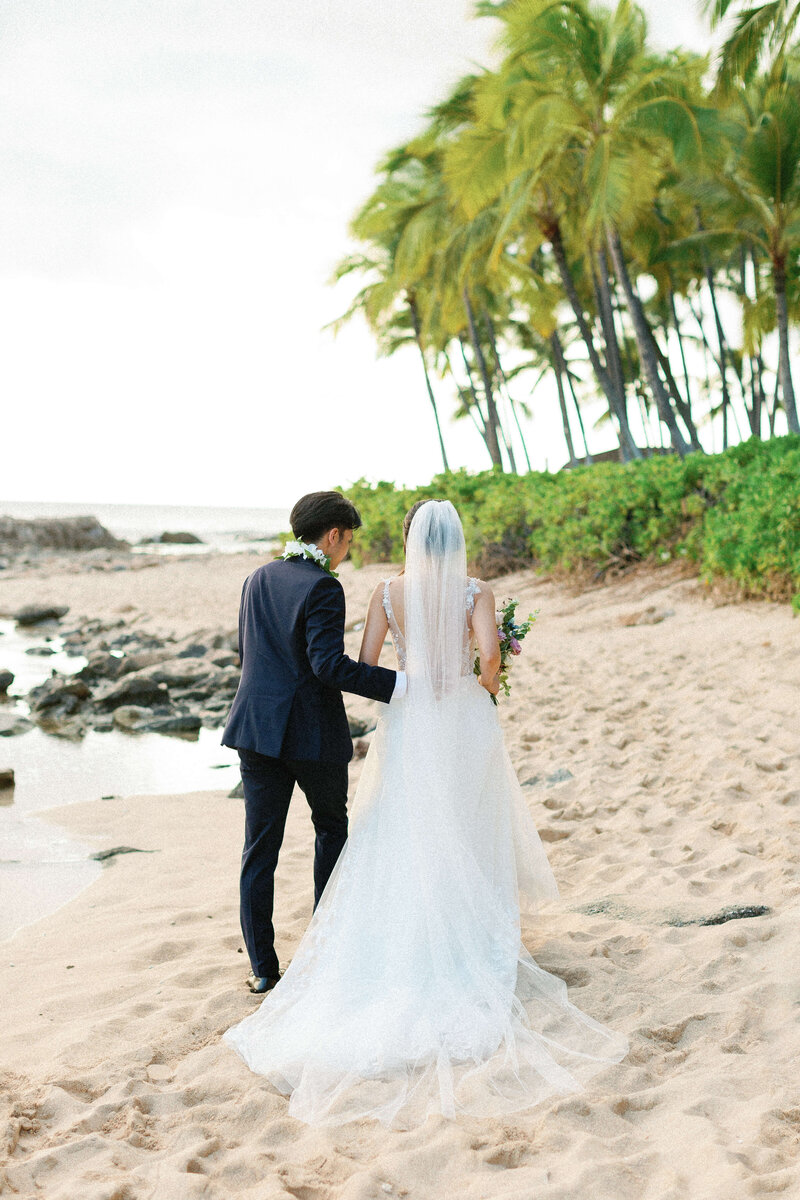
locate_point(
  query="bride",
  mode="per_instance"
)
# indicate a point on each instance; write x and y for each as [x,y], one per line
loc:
[410,992]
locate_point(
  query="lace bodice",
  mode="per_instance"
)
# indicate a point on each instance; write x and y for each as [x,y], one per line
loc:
[399,641]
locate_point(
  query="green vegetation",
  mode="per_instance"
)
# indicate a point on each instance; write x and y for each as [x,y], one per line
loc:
[605,216]
[612,218]
[736,515]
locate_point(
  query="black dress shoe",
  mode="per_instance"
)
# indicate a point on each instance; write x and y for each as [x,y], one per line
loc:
[257,983]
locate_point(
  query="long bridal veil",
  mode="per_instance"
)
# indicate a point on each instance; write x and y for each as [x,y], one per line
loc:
[410,992]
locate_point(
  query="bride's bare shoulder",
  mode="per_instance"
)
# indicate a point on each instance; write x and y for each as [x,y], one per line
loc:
[378,596]
[480,586]
[376,599]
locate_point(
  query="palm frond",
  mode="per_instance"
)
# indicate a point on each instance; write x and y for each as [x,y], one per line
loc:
[742,50]
[716,10]
[474,168]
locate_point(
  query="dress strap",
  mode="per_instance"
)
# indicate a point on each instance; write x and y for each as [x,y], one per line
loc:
[472,591]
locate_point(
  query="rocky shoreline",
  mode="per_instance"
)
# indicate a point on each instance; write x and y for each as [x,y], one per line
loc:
[135,682]
[19,536]
[136,678]
[132,679]
[78,543]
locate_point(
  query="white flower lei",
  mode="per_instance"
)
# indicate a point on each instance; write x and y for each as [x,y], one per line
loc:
[309,550]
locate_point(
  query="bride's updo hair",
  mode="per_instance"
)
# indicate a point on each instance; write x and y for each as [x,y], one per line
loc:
[409,517]
[442,533]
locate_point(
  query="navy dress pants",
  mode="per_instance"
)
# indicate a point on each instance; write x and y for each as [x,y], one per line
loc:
[268,784]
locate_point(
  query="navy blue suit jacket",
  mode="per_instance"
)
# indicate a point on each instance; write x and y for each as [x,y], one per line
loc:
[294,669]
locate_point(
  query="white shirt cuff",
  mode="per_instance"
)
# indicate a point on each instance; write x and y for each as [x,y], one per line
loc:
[401,683]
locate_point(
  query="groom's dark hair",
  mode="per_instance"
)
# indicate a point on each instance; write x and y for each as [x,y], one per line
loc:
[316,513]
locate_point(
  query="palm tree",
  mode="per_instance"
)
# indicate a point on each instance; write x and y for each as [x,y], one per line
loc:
[761,32]
[377,301]
[466,260]
[754,197]
[414,311]
[400,222]
[608,120]
[493,161]
[523,229]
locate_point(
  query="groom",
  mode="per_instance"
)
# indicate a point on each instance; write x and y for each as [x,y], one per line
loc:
[288,720]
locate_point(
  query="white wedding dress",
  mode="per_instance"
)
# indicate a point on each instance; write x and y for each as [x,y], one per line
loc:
[410,992]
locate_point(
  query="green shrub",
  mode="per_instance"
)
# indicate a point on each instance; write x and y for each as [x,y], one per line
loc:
[753,534]
[736,514]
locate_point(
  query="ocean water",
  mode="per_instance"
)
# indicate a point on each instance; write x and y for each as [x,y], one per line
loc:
[221,529]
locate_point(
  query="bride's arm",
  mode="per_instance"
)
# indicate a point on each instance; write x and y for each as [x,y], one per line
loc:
[485,629]
[375,629]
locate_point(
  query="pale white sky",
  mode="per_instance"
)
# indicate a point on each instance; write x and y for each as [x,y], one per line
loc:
[176,178]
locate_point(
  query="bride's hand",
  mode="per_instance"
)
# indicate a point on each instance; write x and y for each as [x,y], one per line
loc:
[492,685]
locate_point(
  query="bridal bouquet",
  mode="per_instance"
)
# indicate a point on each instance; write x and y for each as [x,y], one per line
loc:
[510,633]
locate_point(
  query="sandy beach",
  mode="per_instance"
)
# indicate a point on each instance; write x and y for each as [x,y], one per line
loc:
[655,732]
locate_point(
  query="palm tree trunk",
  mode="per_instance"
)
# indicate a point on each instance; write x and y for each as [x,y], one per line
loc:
[645,421]
[757,361]
[679,332]
[723,371]
[492,421]
[475,407]
[784,365]
[646,344]
[560,366]
[708,358]
[502,374]
[683,408]
[723,356]
[512,405]
[412,304]
[602,291]
[739,377]
[587,458]
[751,408]
[512,460]
[757,367]
[633,370]
[468,408]
[773,412]
[707,347]
[615,400]
[501,395]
